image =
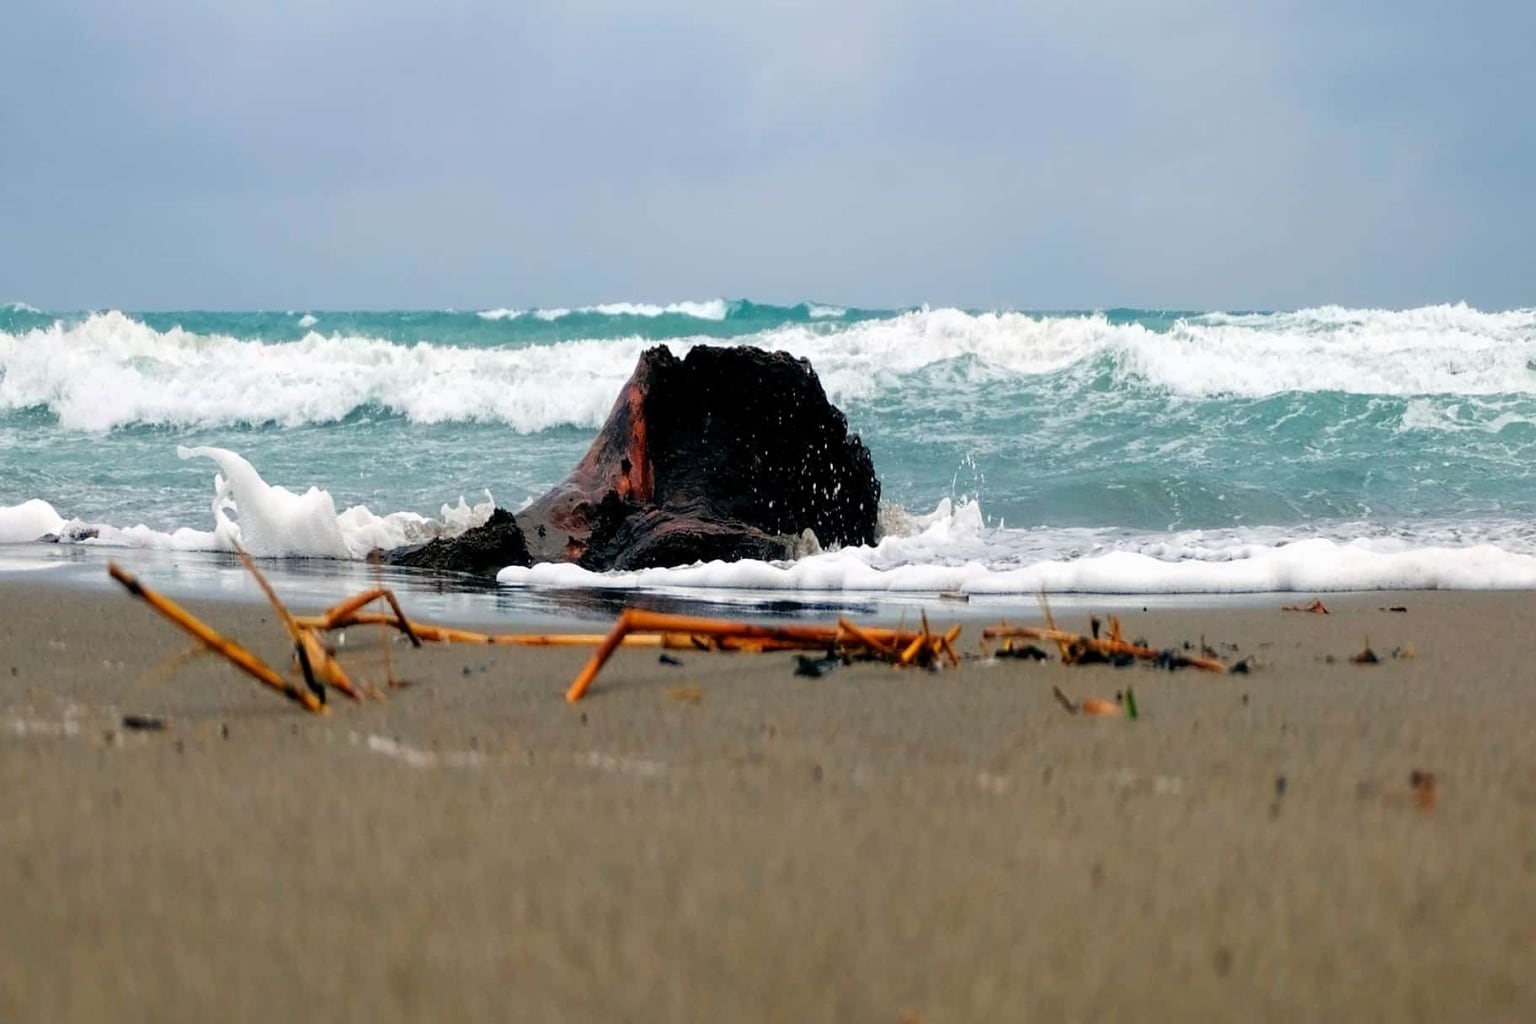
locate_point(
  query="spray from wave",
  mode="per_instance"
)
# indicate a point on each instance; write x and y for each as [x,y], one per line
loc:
[111,370]
[950,550]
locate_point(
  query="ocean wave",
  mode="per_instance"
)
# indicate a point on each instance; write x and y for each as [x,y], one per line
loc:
[1315,566]
[709,309]
[30,520]
[111,370]
[265,520]
[949,550]
[952,551]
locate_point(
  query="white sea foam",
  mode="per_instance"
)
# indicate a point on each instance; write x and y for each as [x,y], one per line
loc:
[1308,566]
[111,370]
[308,320]
[816,311]
[264,519]
[28,521]
[712,309]
[952,552]
[269,520]
[948,550]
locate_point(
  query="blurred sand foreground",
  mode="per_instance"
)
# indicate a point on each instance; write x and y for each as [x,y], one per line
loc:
[870,846]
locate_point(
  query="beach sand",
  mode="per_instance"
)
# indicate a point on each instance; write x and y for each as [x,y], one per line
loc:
[875,845]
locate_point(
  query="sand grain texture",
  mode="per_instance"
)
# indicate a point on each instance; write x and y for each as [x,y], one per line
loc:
[869,846]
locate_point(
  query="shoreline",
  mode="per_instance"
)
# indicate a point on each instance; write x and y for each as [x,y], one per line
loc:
[315,583]
[724,839]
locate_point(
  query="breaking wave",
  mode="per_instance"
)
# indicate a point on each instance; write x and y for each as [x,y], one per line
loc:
[110,370]
[950,550]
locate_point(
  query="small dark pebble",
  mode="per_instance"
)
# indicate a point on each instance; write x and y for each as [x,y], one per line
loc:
[13,670]
[1242,667]
[1171,659]
[1245,700]
[1396,608]
[583,718]
[1279,785]
[667,659]
[805,665]
[223,731]
[1029,652]
[143,723]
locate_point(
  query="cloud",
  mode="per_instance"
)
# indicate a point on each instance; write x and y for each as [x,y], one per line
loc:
[468,154]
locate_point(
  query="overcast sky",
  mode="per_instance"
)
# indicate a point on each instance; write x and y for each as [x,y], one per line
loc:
[462,154]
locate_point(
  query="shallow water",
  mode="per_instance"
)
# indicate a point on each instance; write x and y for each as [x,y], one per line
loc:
[1129,451]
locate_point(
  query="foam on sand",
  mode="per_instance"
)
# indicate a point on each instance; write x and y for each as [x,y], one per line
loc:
[951,549]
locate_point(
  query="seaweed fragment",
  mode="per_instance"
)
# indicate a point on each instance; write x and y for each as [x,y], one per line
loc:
[1316,608]
[1366,656]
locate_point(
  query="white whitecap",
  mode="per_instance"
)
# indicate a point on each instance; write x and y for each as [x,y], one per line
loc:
[111,370]
[269,520]
[30,520]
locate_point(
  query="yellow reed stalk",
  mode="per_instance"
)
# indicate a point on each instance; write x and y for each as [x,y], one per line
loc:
[231,651]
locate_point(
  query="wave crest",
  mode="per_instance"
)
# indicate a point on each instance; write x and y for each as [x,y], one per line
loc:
[111,370]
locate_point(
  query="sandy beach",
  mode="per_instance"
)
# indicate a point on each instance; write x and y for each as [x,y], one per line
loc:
[723,840]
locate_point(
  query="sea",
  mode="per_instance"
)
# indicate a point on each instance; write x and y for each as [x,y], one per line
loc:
[1155,453]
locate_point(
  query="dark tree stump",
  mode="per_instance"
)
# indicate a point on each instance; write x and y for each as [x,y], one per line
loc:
[728,453]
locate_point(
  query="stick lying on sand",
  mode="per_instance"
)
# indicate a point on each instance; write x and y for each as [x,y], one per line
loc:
[320,667]
[924,648]
[1078,649]
[211,639]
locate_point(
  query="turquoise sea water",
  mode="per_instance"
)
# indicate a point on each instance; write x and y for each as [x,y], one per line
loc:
[1180,437]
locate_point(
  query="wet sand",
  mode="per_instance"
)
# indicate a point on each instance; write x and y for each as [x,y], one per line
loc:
[875,845]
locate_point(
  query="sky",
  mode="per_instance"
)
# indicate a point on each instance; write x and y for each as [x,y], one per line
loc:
[328,154]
